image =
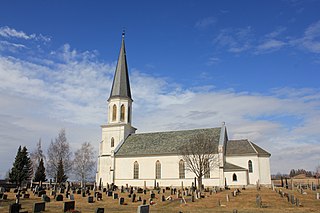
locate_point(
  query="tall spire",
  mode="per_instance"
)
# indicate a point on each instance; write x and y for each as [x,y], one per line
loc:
[121,84]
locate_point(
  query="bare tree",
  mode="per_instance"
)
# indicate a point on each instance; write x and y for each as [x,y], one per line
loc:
[36,156]
[84,162]
[200,156]
[59,150]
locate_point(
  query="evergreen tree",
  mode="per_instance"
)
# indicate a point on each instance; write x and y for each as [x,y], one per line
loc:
[61,177]
[40,174]
[22,167]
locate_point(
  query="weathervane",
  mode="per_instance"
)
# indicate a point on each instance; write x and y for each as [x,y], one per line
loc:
[123,32]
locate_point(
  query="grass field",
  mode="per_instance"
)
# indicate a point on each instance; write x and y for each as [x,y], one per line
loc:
[245,202]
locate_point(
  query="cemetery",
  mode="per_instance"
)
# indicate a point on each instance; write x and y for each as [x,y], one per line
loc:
[292,198]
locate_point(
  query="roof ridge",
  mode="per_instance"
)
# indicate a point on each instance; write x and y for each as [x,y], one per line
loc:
[253,147]
[145,133]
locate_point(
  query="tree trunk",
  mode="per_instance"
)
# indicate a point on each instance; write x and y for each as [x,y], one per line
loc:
[200,184]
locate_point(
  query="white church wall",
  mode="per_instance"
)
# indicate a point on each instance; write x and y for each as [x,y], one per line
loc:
[104,164]
[265,176]
[242,161]
[169,172]
[241,178]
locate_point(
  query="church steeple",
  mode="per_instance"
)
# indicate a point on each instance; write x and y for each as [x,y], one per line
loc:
[121,84]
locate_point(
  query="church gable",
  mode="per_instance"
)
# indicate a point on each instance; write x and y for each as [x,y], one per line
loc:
[163,143]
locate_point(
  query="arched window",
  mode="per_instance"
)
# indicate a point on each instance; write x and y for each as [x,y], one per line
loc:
[135,170]
[128,114]
[207,169]
[158,170]
[122,112]
[234,177]
[182,173]
[112,142]
[250,166]
[114,112]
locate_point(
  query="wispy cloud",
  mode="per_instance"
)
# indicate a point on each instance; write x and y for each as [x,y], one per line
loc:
[311,39]
[8,32]
[270,45]
[235,40]
[206,22]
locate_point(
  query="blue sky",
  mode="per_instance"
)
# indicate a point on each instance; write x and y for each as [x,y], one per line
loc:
[193,64]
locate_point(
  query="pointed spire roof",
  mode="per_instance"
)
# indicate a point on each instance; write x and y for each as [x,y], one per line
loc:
[121,85]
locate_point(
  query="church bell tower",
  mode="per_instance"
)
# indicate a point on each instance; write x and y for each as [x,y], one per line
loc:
[118,127]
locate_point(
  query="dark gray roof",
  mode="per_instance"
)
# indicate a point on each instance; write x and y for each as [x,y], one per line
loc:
[121,84]
[244,147]
[229,167]
[162,143]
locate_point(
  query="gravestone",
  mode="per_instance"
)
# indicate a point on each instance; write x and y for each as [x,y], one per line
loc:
[99,210]
[53,193]
[71,197]
[318,196]
[14,208]
[61,190]
[90,199]
[4,196]
[163,198]
[115,196]
[79,191]
[292,199]
[144,191]
[45,198]
[121,201]
[59,198]
[39,207]
[133,199]
[1,194]
[144,202]
[139,198]
[258,201]
[99,196]
[219,203]
[83,194]
[109,193]
[68,206]
[153,195]
[297,202]
[235,211]
[143,209]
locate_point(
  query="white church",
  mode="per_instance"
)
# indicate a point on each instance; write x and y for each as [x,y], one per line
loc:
[145,158]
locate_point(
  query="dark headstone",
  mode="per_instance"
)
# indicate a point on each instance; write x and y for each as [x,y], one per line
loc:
[163,198]
[45,198]
[143,209]
[39,207]
[14,208]
[104,190]
[69,205]
[83,194]
[139,199]
[79,191]
[115,196]
[144,202]
[153,195]
[59,198]
[61,190]
[133,198]
[90,199]
[4,196]
[99,196]
[121,200]
[144,191]
[53,193]
[99,210]
[109,193]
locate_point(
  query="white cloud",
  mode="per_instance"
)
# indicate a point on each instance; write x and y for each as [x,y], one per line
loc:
[8,32]
[270,45]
